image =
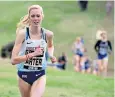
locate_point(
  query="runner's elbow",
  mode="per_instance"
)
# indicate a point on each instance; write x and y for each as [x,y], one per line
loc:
[13,61]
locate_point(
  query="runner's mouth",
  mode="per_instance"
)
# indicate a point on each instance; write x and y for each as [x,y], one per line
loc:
[36,23]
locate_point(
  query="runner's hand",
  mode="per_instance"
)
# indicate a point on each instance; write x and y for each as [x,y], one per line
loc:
[38,51]
[53,59]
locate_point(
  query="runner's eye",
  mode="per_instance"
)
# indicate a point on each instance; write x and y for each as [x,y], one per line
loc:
[37,15]
[32,16]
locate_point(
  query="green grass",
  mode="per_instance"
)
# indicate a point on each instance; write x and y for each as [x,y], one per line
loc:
[67,22]
[59,84]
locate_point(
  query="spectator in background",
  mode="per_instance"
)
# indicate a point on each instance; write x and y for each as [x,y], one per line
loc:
[62,61]
[83,4]
[6,50]
[103,48]
[86,65]
[108,7]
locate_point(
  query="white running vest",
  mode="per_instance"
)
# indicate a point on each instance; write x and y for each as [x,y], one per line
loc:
[36,63]
[78,47]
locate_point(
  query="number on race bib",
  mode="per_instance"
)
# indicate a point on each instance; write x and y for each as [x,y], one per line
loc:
[34,63]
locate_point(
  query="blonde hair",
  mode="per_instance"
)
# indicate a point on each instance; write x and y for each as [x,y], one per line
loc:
[99,33]
[24,21]
[78,38]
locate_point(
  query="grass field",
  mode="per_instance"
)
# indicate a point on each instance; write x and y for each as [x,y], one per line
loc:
[67,22]
[59,84]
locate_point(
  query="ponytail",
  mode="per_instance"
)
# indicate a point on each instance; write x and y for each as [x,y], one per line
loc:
[24,22]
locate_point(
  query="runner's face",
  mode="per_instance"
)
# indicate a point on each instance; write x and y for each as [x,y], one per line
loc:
[35,17]
[104,36]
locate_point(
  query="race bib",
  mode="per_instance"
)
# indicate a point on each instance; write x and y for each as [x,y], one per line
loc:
[34,63]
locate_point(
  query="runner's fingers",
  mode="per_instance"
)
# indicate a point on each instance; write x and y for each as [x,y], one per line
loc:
[39,51]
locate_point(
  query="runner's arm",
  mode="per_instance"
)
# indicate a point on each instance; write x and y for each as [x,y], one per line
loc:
[15,59]
[50,43]
[96,47]
[109,43]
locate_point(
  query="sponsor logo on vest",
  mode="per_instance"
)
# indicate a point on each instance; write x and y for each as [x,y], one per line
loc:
[29,42]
